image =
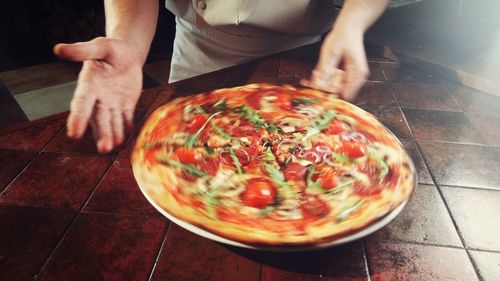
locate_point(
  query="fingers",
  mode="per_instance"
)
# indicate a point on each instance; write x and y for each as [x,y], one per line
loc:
[103,128]
[117,125]
[97,49]
[81,108]
[357,72]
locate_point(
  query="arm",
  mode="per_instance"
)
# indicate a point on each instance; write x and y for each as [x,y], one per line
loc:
[110,81]
[343,47]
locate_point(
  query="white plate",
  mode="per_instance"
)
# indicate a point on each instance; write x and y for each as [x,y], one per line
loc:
[150,194]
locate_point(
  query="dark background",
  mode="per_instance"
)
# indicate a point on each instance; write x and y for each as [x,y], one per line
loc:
[30,28]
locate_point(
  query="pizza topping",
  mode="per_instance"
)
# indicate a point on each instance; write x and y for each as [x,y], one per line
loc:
[295,171]
[193,139]
[353,136]
[278,177]
[303,100]
[236,161]
[210,201]
[196,123]
[384,169]
[312,205]
[321,123]
[190,111]
[187,168]
[352,150]
[289,209]
[221,132]
[187,156]
[347,212]
[259,193]
[335,127]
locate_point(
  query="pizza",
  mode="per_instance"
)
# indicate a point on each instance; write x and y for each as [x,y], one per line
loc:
[265,164]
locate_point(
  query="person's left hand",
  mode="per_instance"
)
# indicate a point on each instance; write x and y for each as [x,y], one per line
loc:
[342,67]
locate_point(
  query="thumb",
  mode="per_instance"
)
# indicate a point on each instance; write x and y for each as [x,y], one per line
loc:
[91,50]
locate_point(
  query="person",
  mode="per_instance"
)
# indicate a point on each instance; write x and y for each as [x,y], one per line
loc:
[110,81]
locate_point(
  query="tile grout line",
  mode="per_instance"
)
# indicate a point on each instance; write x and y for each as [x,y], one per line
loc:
[38,153]
[365,258]
[455,224]
[72,223]
[452,96]
[160,250]
[417,243]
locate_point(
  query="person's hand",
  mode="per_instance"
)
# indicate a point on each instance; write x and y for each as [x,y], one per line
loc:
[342,67]
[108,88]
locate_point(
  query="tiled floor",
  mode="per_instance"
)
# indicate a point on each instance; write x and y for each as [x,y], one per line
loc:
[67,212]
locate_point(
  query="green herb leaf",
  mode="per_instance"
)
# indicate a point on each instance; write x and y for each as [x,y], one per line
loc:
[222,132]
[256,119]
[310,183]
[345,213]
[210,201]
[193,138]
[235,161]
[303,100]
[264,212]
[221,105]
[278,177]
[208,149]
[341,158]
[269,156]
[320,123]
[384,171]
[188,168]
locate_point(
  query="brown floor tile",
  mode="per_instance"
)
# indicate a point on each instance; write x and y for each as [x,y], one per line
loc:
[297,68]
[393,119]
[462,165]
[410,262]
[375,94]
[118,193]
[145,101]
[424,220]
[4,91]
[200,84]
[12,162]
[148,82]
[475,101]
[235,80]
[263,67]
[405,74]
[441,126]
[488,126]
[422,171]
[27,237]
[376,73]
[476,212]
[10,112]
[61,143]
[488,265]
[38,76]
[163,97]
[107,247]
[186,256]
[424,96]
[159,70]
[32,138]
[340,263]
[56,181]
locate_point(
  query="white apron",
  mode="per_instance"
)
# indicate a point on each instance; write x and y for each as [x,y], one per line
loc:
[215,34]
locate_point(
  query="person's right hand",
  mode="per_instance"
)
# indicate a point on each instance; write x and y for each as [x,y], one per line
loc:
[108,88]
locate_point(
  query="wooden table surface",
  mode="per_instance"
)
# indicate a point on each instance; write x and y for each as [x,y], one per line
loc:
[68,213]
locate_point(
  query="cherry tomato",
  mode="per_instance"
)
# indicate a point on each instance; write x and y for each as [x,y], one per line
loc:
[335,127]
[312,205]
[196,123]
[188,156]
[295,171]
[210,165]
[259,193]
[327,180]
[352,150]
